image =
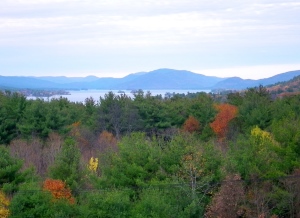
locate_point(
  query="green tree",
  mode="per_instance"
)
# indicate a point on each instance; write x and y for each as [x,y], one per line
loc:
[117,114]
[41,117]
[255,109]
[166,201]
[10,171]
[109,203]
[90,118]
[235,99]
[34,123]
[12,107]
[134,165]
[256,156]
[31,201]
[153,112]
[67,165]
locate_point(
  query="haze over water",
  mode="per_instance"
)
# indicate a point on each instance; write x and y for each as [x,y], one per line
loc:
[80,96]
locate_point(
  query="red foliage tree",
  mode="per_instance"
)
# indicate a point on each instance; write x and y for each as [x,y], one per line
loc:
[191,125]
[226,113]
[58,189]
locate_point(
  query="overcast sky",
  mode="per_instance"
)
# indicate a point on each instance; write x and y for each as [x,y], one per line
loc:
[113,38]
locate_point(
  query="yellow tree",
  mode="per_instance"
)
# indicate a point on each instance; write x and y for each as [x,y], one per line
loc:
[261,136]
[93,164]
[4,203]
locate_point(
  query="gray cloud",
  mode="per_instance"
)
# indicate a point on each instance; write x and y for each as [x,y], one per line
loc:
[149,27]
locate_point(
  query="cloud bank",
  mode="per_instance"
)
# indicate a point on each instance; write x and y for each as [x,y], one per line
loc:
[127,35]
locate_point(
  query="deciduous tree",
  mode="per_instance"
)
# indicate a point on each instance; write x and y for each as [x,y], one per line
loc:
[107,139]
[4,203]
[228,202]
[191,125]
[58,189]
[93,164]
[220,125]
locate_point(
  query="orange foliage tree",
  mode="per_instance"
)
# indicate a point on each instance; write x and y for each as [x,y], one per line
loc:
[58,189]
[75,127]
[107,139]
[191,125]
[226,113]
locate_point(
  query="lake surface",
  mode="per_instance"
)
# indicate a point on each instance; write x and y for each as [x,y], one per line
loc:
[80,96]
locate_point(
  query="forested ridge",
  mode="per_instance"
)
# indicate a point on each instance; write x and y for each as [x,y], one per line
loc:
[193,155]
[290,87]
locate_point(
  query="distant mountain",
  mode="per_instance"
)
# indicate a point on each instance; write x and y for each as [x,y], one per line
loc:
[25,82]
[238,83]
[64,80]
[169,79]
[235,83]
[157,79]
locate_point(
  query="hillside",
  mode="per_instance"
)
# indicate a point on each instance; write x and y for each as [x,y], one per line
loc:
[25,82]
[238,83]
[154,80]
[290,87]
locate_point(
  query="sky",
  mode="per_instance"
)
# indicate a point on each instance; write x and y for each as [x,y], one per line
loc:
[251,39]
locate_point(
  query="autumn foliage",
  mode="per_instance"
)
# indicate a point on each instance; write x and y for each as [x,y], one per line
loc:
[226,113]
[75,129]
[93,164]
[227,203]
[107,139]
[4,203]
[191,125]
[58,189]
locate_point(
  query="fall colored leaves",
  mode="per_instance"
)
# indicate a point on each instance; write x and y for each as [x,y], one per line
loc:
[191,125]
[4,203]
[58,189]
[226,112]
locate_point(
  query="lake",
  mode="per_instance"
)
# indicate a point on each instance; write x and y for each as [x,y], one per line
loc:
[81,95]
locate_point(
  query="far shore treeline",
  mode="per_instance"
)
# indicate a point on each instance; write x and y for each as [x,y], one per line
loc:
[186,155]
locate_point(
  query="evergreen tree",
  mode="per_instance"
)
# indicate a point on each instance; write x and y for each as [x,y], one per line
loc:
[10,171]
[67,165]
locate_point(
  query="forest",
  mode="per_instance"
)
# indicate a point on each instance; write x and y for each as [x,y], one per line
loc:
[193,155]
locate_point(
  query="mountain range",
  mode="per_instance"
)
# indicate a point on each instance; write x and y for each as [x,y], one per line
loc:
[163,79]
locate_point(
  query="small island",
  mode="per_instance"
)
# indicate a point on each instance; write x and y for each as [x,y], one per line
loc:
[42,93]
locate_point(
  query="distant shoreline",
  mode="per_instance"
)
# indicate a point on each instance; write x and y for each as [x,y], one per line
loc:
[81,95]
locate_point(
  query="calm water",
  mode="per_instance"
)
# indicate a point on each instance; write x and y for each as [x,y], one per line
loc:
[80,96]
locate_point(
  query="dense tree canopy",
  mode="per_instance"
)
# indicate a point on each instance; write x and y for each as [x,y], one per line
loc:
[149,156]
